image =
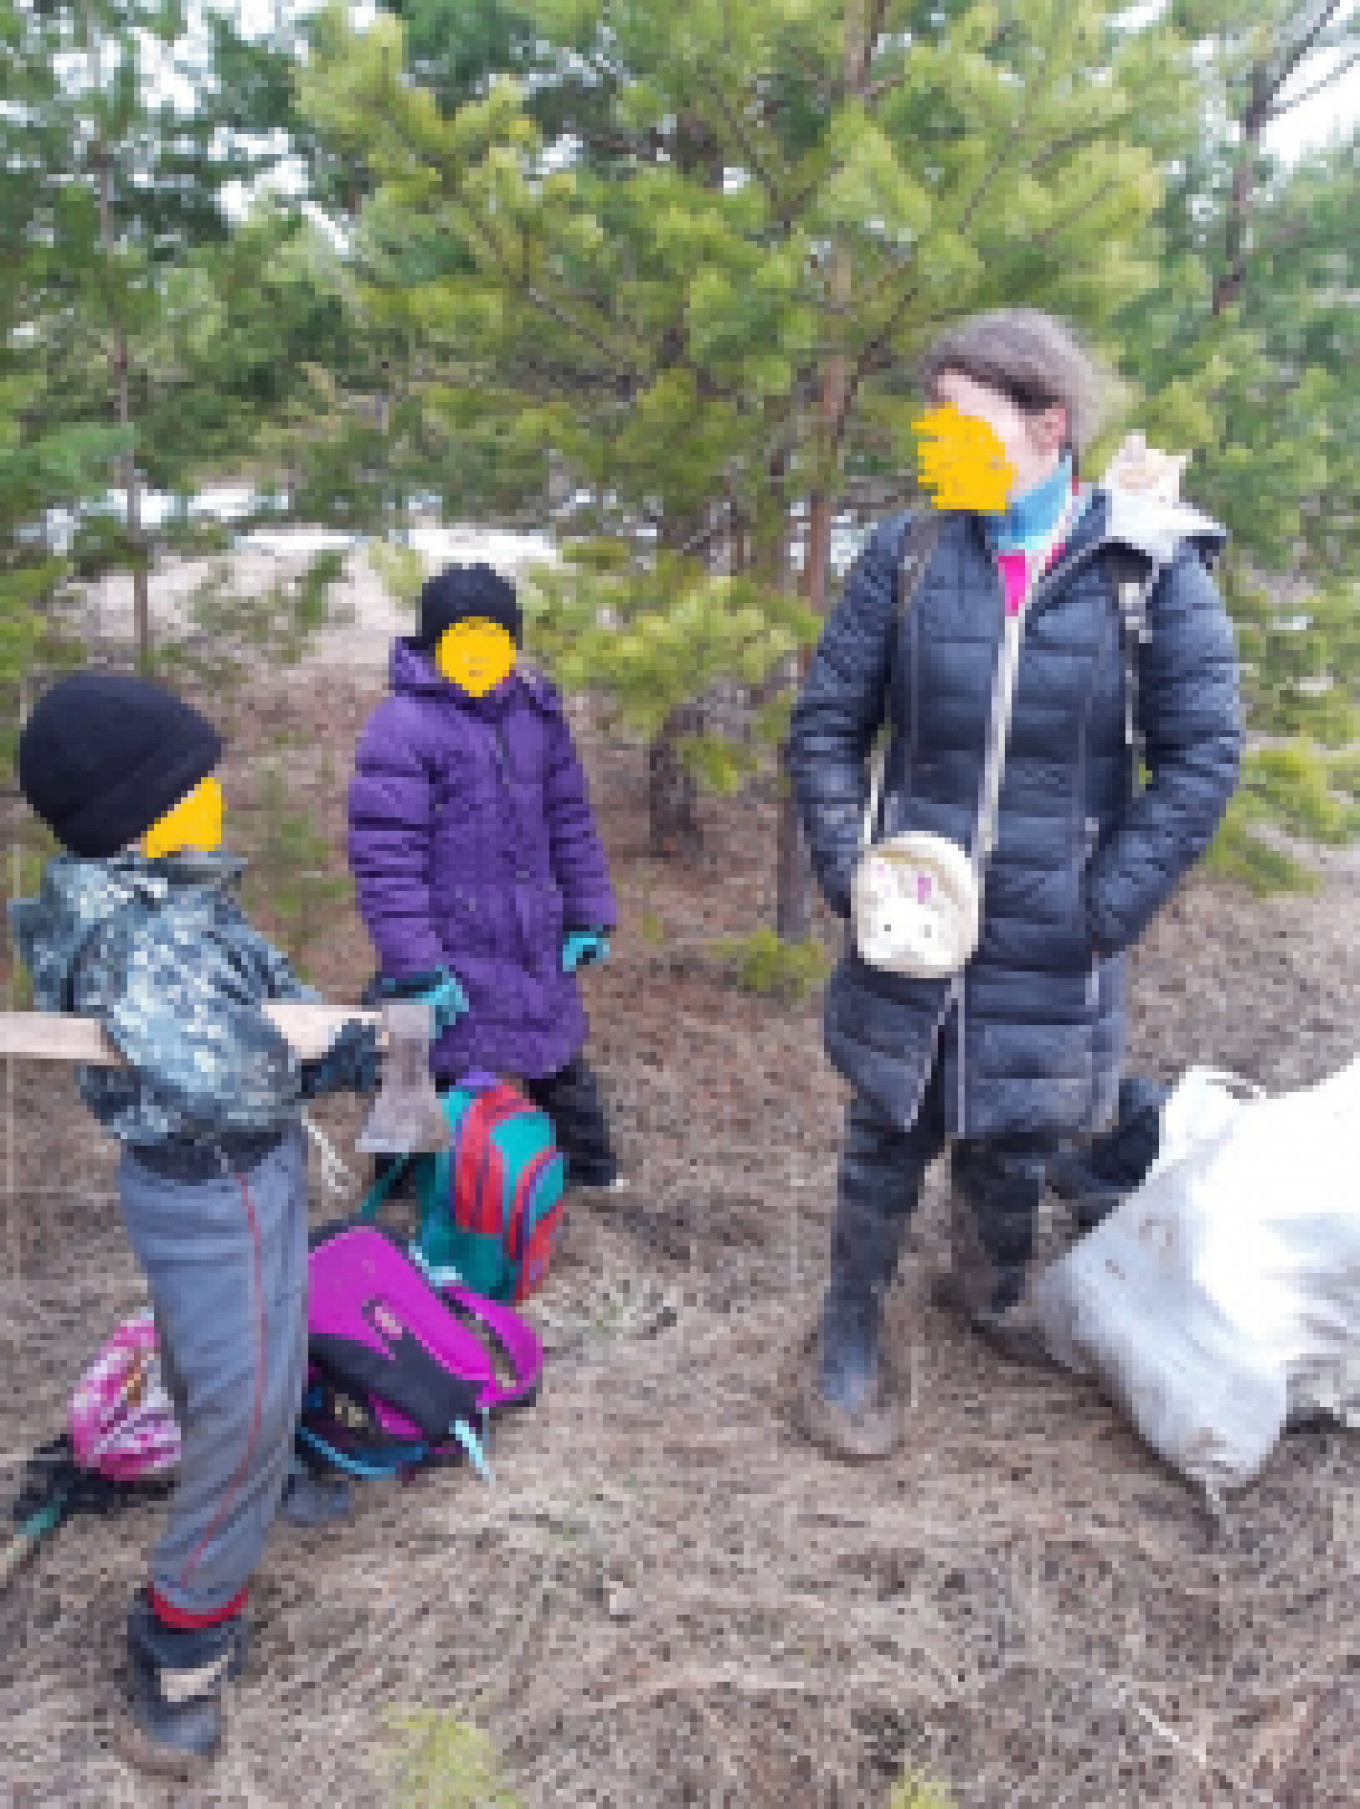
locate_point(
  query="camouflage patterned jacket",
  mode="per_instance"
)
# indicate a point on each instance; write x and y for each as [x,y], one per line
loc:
[161,954]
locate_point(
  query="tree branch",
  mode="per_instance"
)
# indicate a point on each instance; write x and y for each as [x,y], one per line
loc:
[870,352]
[875,29]
[1297,54]
[1059,226]
[1313,88]
[884,85]
[749,152]
[554,310]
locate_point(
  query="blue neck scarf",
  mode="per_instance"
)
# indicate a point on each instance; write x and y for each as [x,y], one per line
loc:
[1030,518]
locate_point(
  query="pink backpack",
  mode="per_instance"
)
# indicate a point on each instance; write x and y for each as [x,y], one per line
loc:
[122,1422]
[404,1370]
[121,1433]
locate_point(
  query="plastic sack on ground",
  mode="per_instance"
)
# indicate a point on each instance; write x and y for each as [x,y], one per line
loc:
[1221,1301]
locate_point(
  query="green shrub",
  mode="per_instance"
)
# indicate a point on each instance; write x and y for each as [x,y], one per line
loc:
[1298,787]
[911,1792]
[34,852]
[400,570]
[290,880]
[765,964]
[1238,853]
[443,1763]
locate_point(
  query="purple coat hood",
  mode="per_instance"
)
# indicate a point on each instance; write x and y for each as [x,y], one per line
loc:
[473,848]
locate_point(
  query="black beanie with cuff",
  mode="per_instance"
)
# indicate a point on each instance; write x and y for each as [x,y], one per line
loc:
[462,592]
[103,756]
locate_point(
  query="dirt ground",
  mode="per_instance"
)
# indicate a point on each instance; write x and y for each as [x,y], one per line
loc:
[665,1598]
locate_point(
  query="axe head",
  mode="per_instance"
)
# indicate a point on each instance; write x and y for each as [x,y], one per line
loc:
[407,1118]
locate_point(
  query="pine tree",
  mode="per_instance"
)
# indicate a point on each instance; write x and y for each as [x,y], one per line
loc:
[1247,353]
[777,205]
[135,190]
[45,464]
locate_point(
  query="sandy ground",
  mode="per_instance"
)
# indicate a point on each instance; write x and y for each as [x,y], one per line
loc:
[365,616]
[666,1599]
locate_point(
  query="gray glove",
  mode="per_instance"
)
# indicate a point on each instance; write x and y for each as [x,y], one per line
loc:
[349,1065]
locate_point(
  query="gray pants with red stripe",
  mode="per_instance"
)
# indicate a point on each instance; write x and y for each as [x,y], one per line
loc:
[226,1261]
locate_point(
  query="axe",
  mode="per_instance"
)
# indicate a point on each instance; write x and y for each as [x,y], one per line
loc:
[407,1117]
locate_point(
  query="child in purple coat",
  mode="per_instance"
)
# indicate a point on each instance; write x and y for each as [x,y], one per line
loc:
[477,868]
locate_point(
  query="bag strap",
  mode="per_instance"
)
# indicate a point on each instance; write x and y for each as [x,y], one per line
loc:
[1135,576]
[378,1192]
[1003,691]
[918,548]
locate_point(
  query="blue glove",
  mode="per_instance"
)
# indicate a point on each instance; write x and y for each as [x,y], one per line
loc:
[443,994]
[447,1003]
[581,946]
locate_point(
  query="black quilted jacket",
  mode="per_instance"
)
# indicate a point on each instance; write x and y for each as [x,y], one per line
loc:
[1032,1034]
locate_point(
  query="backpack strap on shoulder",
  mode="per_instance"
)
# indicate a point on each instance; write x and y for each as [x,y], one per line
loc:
[1144,538]
[1135,576]
[919,542]
[918,548]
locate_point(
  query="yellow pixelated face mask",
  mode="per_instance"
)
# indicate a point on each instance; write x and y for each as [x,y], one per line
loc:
[963,462]
[195,822]
[475,655]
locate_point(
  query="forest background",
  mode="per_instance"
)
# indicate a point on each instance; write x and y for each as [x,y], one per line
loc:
[651,278]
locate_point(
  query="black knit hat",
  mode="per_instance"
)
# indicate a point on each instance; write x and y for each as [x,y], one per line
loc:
[103,756]
[462,592]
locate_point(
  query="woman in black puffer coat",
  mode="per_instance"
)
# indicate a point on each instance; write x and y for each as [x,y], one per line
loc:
[1024,1048]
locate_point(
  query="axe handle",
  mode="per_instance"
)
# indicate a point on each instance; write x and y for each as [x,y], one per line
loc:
[309,1027]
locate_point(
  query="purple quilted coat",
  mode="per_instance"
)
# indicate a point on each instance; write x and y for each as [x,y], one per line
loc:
[473,848]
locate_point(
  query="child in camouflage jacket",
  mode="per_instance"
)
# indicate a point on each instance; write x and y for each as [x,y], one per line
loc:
[151,941]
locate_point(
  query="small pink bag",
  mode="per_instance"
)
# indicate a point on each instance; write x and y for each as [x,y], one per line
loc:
[122,1422]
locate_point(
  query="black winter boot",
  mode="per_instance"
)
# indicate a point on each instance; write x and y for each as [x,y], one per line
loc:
[235,1629]
[997,1187]
[175,1725]
[848,1404]
[572,1100]
[848,1401]
[1096,1176]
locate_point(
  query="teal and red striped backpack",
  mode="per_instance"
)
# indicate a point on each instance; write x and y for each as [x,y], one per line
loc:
[491,1204]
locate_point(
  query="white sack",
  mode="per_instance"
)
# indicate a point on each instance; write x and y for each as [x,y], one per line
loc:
[1222,1298]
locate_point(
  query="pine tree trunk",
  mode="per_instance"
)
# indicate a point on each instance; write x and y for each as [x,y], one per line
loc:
[672,792]
[141,613]
[793,873]
[1243,194]
[793,897]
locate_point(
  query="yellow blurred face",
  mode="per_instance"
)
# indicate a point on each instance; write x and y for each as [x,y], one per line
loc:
[963,462]
[979,448]
[475,655]
[195,822]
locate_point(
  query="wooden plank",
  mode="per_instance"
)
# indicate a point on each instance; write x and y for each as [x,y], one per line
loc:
[309,1026]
